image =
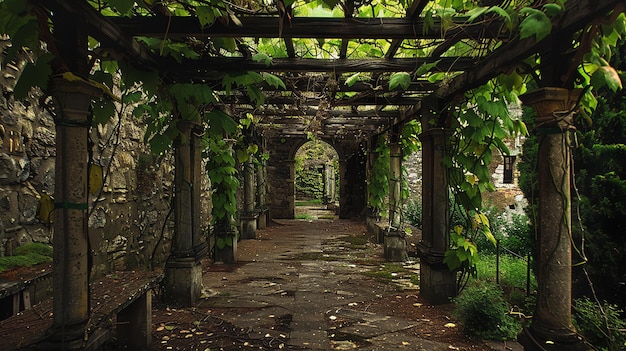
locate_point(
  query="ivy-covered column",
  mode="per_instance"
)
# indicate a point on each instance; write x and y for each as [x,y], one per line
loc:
[437,282]
[183,269]
[551,327]
[394,243]
[261,193]
[249,217]
[71,264]
[224,231]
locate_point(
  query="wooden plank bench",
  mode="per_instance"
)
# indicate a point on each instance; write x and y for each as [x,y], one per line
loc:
[22,293]
[121,301]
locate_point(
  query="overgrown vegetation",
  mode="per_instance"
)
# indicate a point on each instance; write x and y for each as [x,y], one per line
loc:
[27,255]
[311,162]
[485,313]
[603,325]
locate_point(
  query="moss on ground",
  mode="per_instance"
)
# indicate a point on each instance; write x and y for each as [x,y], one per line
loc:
[26,256]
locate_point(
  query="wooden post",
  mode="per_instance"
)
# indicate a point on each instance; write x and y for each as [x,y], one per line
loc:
[551,327]
[71,241]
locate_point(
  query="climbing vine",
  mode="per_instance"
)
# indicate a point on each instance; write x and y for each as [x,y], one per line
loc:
[480,119]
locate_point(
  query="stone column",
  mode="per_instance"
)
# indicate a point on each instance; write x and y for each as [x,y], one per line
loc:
[249,216]
[183,269]
[394,243]
[261,193]
[437,282]
[71,241]
[552,320]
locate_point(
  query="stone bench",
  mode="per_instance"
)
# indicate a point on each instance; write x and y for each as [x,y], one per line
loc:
[121,301]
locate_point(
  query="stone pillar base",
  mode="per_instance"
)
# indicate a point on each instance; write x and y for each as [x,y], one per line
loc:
[228,252]
[538,339]
[395,247]
[183,281]
[437,283]
[261,221]
[248,226]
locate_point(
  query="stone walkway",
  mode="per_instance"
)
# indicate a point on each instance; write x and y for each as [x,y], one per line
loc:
[302,282]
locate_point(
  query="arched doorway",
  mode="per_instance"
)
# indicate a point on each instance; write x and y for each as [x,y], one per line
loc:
[316,165]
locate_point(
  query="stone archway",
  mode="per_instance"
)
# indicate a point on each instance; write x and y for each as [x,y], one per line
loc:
[316,165]
[281,176]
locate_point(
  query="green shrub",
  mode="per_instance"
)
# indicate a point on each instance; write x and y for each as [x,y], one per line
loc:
[484,313]
[26,256]
[600,326]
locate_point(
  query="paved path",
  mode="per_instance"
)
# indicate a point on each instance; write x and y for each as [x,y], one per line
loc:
[301,283]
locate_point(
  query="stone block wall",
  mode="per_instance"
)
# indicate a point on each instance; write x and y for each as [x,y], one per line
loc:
[130,222]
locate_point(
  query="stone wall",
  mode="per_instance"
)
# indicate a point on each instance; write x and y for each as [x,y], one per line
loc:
[130,222]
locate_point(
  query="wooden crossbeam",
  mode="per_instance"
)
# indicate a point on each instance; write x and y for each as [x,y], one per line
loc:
[210,65]
[309,27]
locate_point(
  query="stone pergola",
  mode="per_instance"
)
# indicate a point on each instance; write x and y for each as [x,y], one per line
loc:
[349,124]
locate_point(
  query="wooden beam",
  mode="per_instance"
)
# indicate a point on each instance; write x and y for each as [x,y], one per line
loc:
[415,10]
[577,13]
[295,101]
[105,31]
[308,27]
[371,114]
[197,68]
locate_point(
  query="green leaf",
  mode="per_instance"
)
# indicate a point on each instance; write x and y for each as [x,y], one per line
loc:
[220,243]
[353,79]
[206,15]
[220,123]
[330,3]
[273,80]
[103,110]
[160,143]
[227,44]
[552,9]
[535,24]
[502,13]
[255,94]
[122,6]
[26,35]
[606,76]
[475,13]
[34,75]
[242,155]
[399,79]
[435,77]
[425,68]
[261,57]
[16,6]
[132,97]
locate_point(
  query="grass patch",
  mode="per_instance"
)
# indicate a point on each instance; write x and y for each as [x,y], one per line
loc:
[304,216]
[388,271]
[26,256]
[309,202]
[312,256]
[512,271]
[355,242]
